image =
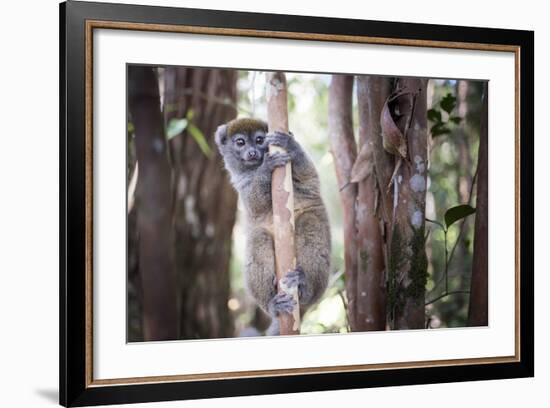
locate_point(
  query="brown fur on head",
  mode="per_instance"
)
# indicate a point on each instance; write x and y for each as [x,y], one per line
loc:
[245,126]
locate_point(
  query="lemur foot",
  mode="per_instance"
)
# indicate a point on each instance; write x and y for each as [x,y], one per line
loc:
[281,303]
[280,139]
[296,278]
[276,159]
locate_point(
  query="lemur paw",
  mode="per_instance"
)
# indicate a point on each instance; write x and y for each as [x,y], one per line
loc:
[294,277]
[280,139]
[281,303]
[276,159]
[297,278]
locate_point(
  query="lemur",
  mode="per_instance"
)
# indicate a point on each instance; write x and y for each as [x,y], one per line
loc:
[244,144]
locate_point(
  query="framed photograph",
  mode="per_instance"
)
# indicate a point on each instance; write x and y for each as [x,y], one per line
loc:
[256,204]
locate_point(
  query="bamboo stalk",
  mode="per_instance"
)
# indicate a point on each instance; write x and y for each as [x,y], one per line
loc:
[282,195]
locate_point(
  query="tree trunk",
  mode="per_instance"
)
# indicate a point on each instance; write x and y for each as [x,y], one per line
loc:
[134,320]
[204,201]
[344,151]
[372,93]
[407,254]
[371,285]
[282,195]
[478,310]
[156,255]
[399,204]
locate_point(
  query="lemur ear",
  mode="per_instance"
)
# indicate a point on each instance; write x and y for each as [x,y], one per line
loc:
[221,135]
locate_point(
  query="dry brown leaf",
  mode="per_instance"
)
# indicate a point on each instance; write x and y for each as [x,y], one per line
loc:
[392,139]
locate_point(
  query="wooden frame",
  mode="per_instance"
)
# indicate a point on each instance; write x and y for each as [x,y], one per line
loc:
[77,22]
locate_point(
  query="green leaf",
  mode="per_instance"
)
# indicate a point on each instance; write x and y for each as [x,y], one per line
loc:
[175,127]
[455,119]
[454,214]
[439,129]
[434,115]
[200,139]
[130,127]
[448,103]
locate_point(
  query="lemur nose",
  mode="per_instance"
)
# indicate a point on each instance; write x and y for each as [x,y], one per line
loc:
[252,154]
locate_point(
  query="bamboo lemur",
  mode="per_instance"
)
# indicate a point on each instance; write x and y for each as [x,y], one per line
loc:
[244,143]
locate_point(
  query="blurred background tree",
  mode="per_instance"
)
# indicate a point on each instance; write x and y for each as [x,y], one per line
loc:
[203,203]
[152,224]
[206,226]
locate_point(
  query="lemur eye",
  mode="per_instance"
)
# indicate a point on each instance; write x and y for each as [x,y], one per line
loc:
[259,140]
[240,142]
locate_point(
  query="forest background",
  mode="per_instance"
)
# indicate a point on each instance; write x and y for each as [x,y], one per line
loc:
[203,238]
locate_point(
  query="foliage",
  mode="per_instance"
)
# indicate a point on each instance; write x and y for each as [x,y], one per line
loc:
[177,125]
[441,125]
[198,136]
[454,214]
[451,179]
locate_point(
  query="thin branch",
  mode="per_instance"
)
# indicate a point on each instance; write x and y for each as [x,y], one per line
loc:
[253,93]
[446,264]
[460,233]
[456,292]
[463,222]
[206,97]
[341,294]
[334,278]
[437,223]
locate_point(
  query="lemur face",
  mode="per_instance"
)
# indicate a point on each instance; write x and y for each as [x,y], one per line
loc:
[242,143]
[249,148]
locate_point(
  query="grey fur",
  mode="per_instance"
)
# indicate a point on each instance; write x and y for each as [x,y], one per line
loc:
[252,180]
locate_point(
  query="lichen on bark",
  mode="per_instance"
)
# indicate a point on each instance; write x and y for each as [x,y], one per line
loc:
[395,264]
[418,272]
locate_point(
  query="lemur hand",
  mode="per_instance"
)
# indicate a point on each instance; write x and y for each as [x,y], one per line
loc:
[280,139]
[277,159]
